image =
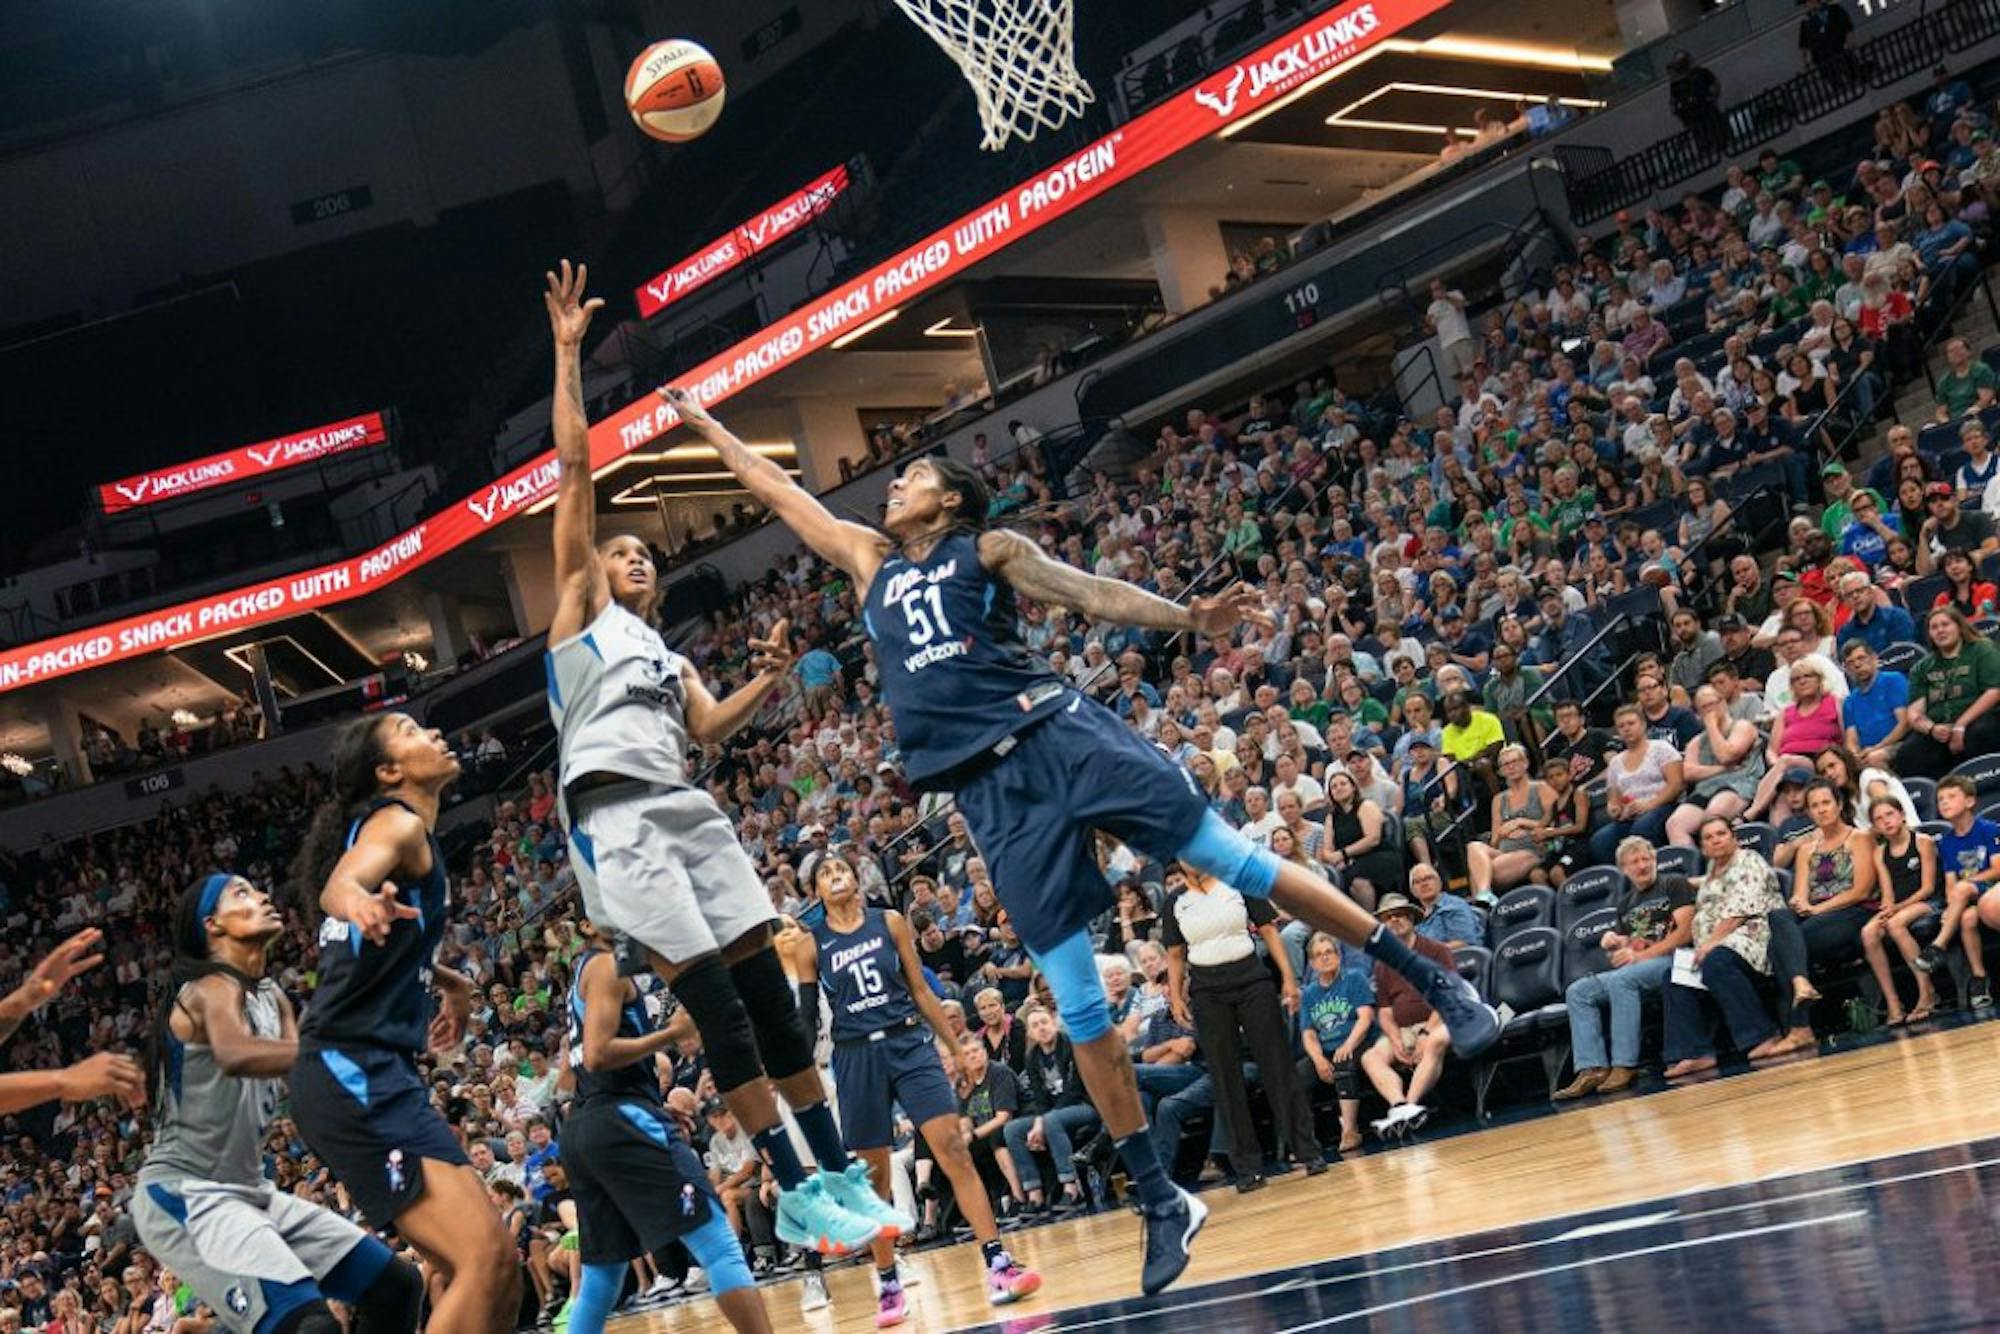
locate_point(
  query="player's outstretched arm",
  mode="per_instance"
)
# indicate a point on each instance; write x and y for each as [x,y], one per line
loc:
[579,578]
[79,954]
[854,548]
[105,1075]
[710,719]
[1033,571]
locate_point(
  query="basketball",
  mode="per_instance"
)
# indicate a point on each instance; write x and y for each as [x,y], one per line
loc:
[674,91]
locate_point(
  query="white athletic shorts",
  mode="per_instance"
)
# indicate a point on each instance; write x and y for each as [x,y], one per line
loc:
[663,866]
[227,1241]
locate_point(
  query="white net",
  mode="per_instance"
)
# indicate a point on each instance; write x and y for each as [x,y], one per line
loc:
[1018,55]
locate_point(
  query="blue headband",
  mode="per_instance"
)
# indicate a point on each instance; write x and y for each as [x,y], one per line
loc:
[211,895]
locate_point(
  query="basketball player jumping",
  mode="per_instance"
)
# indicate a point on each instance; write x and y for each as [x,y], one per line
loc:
[884,1057]
[1037,765]
[653,854]
[261,1258]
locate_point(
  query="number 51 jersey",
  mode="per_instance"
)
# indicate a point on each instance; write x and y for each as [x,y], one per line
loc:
[955,674]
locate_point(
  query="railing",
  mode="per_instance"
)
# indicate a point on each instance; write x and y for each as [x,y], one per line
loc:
[1887,59]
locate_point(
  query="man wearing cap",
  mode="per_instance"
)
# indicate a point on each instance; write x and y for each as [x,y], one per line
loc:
[1869,530]
[1769,438]
[1948,528]
[1838,484]
[1563,637]
[1405,1062]
[1468,648]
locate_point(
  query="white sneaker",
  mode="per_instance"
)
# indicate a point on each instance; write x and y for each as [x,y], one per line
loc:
[1390,1126]
[696,1280]
[1410,1116]
[813,1296]
[661,1287]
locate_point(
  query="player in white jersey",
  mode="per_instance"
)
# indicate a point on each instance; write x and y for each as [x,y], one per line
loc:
[263,1260]
[654,855]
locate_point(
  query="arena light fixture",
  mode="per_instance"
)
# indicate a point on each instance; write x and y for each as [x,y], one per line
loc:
[943,329]
[697,453]
[855,335]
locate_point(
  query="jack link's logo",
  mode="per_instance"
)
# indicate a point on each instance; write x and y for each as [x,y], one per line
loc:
[1225,105]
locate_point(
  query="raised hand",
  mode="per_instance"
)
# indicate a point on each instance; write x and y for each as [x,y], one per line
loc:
[569,312]
[692,413]
[1233,606]
[75,956]
[774,652]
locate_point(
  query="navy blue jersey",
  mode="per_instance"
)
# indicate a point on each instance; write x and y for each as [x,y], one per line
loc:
[380,995]
[862,975]
[954,671]
[634,1021]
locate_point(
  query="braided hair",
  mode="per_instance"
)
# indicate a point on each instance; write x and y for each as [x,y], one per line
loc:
[975,498]
[357,752]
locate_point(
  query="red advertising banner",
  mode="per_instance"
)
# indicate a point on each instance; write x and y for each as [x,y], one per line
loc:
[768,228]
[245,463]
[1307,52]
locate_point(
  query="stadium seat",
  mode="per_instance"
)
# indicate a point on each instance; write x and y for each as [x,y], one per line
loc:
[1526,982]
[1519,910]
[1475,965]
[1918,597]
[1757,835]
[1784,880]
[1586,892]
[1900,657]
[1676,860]
[1582,955]
[1923,796]
[1983,770]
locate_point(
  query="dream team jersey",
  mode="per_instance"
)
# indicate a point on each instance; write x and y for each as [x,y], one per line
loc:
[619,703]
[380,995]
[635,1020]
[862,976]
[211,1125]
[955,674]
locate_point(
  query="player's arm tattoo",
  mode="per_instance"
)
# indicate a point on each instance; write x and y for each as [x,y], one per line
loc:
[1042,577]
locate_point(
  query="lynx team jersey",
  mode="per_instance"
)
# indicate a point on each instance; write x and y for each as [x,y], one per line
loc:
[211,1125]
[635,1020]
[954,671]
[619,703]
[380,995]
[862,975]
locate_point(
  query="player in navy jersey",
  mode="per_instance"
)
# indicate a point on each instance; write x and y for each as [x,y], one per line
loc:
[1036,766]
[636,1183]
[886,1025]
[357,1096]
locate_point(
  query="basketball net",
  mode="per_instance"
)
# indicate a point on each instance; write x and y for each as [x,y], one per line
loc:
[1018,55]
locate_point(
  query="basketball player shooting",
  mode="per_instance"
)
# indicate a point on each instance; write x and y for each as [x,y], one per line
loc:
[1037,766]
[654,855]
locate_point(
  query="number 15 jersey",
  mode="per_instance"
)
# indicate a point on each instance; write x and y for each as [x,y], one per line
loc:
[862,976]
[955,674]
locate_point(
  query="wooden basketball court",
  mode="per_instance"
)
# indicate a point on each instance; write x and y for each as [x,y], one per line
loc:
[1851,1147]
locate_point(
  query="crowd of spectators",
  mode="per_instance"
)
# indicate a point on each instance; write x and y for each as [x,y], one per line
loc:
[1463,693]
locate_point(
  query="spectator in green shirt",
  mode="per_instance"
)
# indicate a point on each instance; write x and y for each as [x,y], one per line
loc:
[1952,697]
[1967,386]
[1779,176]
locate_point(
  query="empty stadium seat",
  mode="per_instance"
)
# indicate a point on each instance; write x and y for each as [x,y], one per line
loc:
[1757,835]
[1983,770]
[1677,860]
[1475,964]
[1923,796]
[1520,910]
[1900,657]
[1591,889]
[1525,977]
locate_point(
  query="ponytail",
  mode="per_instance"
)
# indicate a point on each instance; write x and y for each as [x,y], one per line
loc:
[357,752]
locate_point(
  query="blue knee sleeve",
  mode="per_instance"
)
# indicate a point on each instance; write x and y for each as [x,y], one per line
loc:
[1223,852]
[1071,968]
[715,1248]
[595,1296]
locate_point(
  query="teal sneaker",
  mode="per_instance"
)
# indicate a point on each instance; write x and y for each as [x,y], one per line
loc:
[854,1191]
[810,1217]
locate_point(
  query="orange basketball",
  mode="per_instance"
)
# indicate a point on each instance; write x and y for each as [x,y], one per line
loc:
[674,91]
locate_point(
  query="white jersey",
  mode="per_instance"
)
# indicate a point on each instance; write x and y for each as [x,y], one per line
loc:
[619,703]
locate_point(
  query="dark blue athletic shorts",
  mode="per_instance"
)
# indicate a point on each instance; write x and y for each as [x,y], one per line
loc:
[1031,812]
[368,1115]
[636,1183]
[872,1078]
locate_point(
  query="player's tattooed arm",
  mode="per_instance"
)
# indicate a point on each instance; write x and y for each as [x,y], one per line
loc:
[854,548]
[1042,577]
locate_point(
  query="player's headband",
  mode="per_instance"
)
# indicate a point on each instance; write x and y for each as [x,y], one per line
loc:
[211,895]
